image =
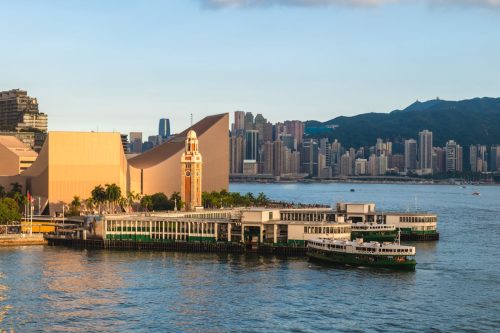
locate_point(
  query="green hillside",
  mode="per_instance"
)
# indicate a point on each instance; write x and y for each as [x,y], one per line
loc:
[467,122]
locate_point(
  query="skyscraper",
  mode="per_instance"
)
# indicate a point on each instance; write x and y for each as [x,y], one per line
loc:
[296,129]
[268,158]
[425,151]
[239,120]
[410,155]
[249,125]
[164,128]
[495,158]
[251,144]
[453,157]
[478,158]
[237,148]
[309,156]
[277,158]
[135,142]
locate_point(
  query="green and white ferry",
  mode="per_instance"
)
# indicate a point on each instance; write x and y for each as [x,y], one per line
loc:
[373,232]
[360,253]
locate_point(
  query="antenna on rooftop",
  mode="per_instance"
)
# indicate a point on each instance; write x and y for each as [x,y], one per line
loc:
[191,119]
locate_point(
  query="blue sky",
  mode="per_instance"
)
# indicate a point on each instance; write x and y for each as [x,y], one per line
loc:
[123,64]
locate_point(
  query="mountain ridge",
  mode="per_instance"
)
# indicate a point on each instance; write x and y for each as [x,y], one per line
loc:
[469,121]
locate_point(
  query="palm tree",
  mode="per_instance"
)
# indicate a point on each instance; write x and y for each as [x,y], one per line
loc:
[122,202]
[76,205]
[113,193]
[99,196]
[132,198]
[89,204]
[262,199]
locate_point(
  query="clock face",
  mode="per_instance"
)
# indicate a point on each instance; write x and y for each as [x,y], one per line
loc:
[188,173]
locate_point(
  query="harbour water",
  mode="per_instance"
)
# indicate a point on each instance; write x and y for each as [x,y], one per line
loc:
[456,286]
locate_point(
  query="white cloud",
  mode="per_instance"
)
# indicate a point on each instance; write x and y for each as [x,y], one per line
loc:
[369,3]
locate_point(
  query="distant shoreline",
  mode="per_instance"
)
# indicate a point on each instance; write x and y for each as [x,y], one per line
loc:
[333,181]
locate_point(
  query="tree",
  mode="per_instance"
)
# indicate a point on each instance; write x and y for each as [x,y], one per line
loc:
[16,187]
[146,203]
[161,202]
[9,211]
[2,192]
[132,198]
[75,206]
[89,204]
[113,194]
[176,200]
[99,196]
[262,199]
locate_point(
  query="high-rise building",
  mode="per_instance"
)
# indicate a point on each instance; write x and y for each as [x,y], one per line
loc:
[425,151]
[135,142]
[410,155]
[295,162]
[249,125]
[296,129]
[289,142]
[251,145]
[19,112]
[478,158]
[259,123]
[267,148]
[268,132]
[239,120]
[373,165]
[345,165]
[453,157]
[495,158]
[396,162]
[383,148]
[279,130]
[236,146]
[309,157]
[361,167]
[164,128]
[382,164]
[191,169]
[277,158]
[439,160]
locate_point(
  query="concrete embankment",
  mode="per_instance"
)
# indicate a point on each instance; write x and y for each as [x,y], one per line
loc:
[21,239]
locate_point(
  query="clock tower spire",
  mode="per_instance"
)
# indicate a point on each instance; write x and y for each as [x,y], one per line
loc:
[191,166]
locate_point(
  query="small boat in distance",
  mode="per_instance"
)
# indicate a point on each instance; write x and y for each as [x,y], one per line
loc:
[476,193]
[352,190]
[358,253]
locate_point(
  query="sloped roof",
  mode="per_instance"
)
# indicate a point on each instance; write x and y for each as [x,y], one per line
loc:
[16,146]
[173,145]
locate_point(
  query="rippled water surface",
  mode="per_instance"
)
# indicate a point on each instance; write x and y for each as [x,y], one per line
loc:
[456,286]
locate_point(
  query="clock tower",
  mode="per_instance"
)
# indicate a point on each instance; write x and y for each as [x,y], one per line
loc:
[191,163]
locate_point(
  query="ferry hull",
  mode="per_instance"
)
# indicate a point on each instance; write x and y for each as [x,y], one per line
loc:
[350,259]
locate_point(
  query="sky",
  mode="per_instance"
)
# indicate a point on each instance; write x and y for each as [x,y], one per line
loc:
[121,65]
